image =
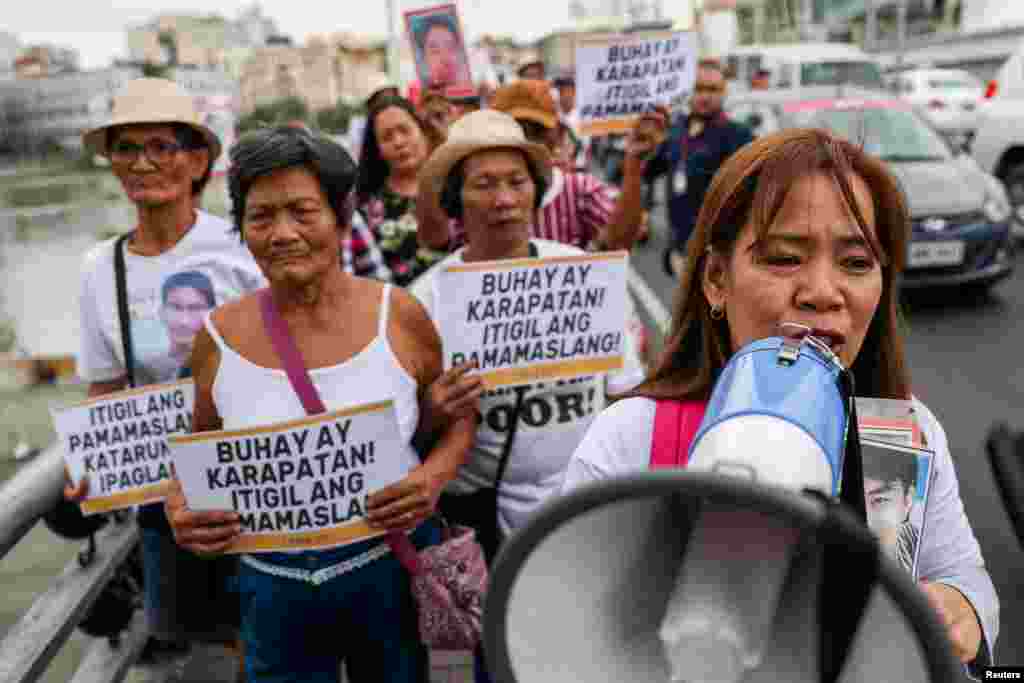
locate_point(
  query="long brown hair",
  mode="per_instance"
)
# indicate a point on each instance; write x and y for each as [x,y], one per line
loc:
[751,187]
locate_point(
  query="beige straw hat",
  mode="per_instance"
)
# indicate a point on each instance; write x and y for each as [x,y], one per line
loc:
[152,100]
[475,132]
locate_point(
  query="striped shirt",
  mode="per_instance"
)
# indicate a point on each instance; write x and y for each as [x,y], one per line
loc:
[360,255]
[575,209]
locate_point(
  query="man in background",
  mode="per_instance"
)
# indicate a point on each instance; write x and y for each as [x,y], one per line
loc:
[696,147]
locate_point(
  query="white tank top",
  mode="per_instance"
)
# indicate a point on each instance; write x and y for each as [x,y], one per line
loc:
[250,395]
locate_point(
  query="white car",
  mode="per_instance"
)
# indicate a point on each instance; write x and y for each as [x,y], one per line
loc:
[998,144]
[948,99]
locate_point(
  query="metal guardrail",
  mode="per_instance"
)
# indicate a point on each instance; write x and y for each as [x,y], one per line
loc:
[30,645]
[33,490]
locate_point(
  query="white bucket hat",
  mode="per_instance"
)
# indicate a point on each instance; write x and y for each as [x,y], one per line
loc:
[152,100]
[475,132]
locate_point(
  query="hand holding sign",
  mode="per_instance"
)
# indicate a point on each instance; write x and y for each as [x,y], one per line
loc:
[75,493]
[648,133]
[203,533]
[453,395]
[405,504]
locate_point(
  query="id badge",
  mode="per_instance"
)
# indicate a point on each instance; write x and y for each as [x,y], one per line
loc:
[679,180]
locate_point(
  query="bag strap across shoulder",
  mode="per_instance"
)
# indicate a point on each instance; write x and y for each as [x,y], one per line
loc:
[123,314]
[675,426]
[298,375]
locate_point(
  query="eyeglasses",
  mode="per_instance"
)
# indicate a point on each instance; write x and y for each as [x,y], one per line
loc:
[159,152]
[708,88]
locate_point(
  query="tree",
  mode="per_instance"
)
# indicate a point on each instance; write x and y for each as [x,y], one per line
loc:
[335,119]
[274,113]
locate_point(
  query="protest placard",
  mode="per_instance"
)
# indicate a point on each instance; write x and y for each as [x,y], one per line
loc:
[119,442]
[297,485]
[439,50]
[617,80]
[525,320]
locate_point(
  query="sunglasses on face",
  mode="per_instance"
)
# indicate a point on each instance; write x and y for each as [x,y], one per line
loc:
[159,152]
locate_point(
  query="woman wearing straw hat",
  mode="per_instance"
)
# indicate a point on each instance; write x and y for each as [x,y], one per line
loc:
[488,175]
[162,155]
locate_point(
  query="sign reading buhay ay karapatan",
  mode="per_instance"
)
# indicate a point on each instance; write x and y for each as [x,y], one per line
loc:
[525,320]
[618,80]
[119,442]
[296,485]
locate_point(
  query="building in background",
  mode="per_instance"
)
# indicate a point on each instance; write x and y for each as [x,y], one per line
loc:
[50,112]
[10,46]
[41,61]
[200,41]
[325,70]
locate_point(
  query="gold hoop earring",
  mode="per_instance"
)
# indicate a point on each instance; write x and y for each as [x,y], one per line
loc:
[717,312]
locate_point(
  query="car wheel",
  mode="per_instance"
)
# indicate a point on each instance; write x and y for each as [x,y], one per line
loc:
[1014,182]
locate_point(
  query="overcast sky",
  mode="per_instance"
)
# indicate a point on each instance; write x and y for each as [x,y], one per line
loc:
[96,28]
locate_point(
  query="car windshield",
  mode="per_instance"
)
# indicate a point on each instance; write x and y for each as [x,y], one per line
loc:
[891,134]
[841,73]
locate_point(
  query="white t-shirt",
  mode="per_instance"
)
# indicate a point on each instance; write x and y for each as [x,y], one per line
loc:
[208,267]
[553,418]
[619,443]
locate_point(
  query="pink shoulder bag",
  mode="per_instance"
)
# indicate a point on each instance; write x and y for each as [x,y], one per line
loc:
[675,426]
[449,579]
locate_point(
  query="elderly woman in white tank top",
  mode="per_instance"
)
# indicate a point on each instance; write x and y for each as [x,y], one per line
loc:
[363,341]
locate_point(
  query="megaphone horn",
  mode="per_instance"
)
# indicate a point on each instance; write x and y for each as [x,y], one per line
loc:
[583,591]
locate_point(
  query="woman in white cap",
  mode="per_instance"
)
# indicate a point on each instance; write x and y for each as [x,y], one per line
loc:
[162,154]
[488,175]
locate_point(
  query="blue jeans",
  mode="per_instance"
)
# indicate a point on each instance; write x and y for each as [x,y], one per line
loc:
[295,631]
[186,597]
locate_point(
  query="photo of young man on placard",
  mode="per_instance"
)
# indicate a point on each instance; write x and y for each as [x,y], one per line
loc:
[440,50]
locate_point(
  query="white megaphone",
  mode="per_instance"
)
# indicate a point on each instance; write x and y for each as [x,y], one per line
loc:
[723,571]
[777,416]
[579,593]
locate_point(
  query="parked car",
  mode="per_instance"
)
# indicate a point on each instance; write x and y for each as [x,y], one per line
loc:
[960,234]
[998,143]
[799,66]
[946,98]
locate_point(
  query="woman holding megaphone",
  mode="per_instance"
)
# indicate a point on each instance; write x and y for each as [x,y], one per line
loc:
[804,227]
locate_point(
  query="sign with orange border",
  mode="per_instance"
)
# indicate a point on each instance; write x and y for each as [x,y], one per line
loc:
[297,485]
[119,443]
[534,319]
[621,78]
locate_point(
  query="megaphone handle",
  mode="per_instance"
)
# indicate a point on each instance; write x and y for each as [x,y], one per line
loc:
[852,486]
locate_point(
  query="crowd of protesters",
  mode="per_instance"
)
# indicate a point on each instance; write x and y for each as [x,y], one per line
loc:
[351,252]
